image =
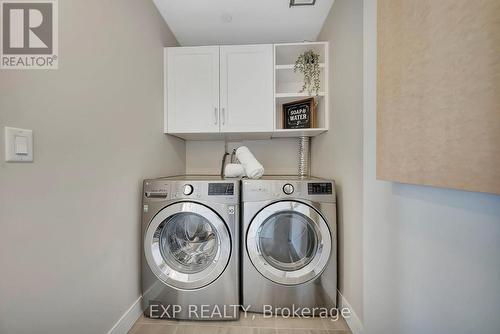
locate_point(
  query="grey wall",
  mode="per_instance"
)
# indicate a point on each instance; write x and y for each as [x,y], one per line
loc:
[278,156]
[431,255]
[338,153]
[69,222]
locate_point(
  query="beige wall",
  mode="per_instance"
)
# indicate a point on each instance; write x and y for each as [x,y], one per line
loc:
[278,156]
[69,222]
[338,154]
[431,255]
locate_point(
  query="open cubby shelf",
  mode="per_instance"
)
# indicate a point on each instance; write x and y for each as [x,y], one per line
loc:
[288,84]
[291,66]
[288,97]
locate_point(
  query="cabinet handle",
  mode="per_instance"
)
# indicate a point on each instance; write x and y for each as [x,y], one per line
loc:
[215,115]
[223,116]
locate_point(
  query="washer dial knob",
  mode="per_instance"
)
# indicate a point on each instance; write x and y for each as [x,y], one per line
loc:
[288,189]
[187,189]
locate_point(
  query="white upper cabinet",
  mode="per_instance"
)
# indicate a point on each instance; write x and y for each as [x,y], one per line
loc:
[239,91]
[192,89]
[246,88]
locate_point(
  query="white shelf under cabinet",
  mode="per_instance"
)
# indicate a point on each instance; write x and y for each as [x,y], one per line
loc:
[292,66]
[287,133]
[292,96]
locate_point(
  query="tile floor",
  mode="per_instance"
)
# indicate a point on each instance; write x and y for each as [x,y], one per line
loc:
[251,324]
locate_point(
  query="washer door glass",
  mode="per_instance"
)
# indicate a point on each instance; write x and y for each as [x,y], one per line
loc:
[289,242]
[188,242]
[187,245]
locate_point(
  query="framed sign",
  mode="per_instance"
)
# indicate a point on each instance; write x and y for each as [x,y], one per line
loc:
[299,114]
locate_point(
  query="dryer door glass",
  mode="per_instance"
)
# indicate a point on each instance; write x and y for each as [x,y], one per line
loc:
[188,242]
[289,242]
[187,245]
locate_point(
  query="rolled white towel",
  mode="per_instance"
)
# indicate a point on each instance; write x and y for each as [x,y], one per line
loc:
[253,168]
[234,170]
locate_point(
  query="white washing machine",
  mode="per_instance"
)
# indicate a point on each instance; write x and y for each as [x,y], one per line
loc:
[190,262]
[289,253]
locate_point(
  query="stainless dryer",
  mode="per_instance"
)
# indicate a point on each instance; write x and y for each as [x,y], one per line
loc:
[190,262]
[289,241]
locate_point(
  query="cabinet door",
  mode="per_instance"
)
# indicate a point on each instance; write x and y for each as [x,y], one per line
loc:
[192,89]
[246,88]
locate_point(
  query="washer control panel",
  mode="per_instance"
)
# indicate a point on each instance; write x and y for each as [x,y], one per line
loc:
[223,191]
[220,189]
[187,189]
[288,189]
[156,190]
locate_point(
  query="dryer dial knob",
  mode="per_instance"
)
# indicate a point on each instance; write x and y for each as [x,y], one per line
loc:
[288,189]
[187,189]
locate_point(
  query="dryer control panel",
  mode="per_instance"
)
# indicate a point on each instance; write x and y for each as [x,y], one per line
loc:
[317,190]
[225,192]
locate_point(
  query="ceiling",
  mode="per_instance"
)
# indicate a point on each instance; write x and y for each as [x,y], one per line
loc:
[206,22]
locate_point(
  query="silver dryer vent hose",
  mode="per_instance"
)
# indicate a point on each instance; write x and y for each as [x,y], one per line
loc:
[304,155]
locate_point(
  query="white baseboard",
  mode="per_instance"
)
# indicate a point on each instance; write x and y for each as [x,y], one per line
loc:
[128,319]
[354,323]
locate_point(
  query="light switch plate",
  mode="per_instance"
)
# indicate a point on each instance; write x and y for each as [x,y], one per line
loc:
[21,141]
